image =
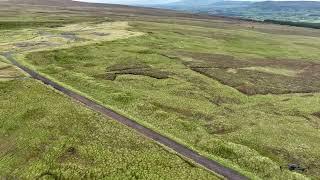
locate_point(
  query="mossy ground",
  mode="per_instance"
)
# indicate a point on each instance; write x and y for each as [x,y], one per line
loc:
[258,135]
[46,135]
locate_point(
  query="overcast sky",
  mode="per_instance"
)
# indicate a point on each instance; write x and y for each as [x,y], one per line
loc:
[156,1]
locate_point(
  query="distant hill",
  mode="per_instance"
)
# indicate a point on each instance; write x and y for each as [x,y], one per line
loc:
[276,5]
[281,5]
[193,3]
[188,5]
[296,11]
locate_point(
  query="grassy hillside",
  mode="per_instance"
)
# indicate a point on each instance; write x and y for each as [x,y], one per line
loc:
[242,93]
[170,80]
[46,135]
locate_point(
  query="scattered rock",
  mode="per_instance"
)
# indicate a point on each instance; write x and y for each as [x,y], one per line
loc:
[295,167]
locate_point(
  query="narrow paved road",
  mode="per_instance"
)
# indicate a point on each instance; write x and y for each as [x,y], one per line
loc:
[177,147]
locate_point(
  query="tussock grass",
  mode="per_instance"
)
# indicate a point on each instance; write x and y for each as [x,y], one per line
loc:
[258,135]
[12,25]
[46,135]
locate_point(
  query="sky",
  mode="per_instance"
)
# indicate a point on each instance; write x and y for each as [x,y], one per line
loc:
[136,2]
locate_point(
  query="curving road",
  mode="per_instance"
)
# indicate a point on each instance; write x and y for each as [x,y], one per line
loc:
[177,147]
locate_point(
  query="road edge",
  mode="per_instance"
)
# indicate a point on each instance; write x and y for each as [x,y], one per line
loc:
[203,161]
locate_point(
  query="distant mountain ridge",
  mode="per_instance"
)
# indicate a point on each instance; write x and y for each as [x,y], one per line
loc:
[288,4]
[193,2]
[188,4]
[295,11]
[267,4]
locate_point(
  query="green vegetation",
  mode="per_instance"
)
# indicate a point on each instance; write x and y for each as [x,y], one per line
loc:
[297,13]
[245,94]
[257,135]
[298,24]
[46,135]
[29,24]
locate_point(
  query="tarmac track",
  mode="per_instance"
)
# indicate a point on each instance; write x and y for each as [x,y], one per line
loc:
[177,147]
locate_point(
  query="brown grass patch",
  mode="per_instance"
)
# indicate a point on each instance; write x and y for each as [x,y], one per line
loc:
[8,72]
[273,76]
[317,114]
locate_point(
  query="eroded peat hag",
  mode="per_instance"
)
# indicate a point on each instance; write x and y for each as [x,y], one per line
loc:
[258,76]
[132,69]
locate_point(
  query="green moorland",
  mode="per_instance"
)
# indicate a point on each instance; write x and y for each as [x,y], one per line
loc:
[241,93]
[244,97]
[45,135]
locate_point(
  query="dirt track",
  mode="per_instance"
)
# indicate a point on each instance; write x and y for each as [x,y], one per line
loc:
[179,148]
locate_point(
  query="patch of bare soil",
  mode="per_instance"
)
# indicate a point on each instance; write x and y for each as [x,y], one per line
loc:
[134,69]
[248,79]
